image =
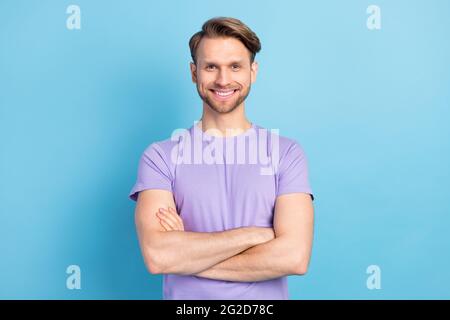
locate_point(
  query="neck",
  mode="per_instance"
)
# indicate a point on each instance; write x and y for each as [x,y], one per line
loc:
[225,124]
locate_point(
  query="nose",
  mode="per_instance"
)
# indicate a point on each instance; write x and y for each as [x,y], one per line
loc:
[223,78]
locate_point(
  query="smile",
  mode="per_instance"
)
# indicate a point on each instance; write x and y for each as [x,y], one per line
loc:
[223,94]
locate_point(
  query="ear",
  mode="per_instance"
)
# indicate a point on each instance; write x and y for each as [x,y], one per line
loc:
[193,72]
[253,71]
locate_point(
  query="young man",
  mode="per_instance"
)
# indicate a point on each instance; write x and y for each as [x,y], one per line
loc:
[215,222]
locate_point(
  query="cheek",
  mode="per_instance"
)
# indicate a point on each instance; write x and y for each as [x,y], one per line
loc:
[204,81]
[244,80]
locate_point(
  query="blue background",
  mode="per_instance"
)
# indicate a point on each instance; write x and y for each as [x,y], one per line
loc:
[370,108]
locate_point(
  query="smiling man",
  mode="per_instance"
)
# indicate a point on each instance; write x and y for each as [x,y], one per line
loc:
[235,219]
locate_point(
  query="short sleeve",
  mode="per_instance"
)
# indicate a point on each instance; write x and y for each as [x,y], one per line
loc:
[153,172]
[293,172]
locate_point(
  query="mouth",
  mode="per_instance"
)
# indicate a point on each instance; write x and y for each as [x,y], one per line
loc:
[224,95]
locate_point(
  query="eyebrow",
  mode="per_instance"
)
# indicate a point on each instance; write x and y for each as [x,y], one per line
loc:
[239,61]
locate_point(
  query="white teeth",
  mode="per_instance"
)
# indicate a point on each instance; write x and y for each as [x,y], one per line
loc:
[224,93]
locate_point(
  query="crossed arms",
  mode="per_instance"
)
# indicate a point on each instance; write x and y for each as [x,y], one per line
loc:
[242,254]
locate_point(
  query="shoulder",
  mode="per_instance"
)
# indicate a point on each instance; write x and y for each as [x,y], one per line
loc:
[285,145]
[164,147]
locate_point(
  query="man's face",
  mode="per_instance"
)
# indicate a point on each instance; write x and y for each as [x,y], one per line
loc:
[223,73]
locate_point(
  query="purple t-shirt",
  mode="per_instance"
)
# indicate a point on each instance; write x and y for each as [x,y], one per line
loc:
[221,183]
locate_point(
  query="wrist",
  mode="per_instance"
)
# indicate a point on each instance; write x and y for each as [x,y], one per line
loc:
[262,235]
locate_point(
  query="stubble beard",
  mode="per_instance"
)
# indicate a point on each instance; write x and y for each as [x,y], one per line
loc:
[224,107]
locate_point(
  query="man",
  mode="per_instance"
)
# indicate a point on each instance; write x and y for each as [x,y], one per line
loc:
[218,228]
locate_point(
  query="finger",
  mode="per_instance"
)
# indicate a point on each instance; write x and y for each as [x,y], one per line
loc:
[174,212]
[167,219]
[165,225]
[167,214]
[162,222]
[172,217]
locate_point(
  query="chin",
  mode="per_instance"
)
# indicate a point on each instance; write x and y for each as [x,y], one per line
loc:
[223,108]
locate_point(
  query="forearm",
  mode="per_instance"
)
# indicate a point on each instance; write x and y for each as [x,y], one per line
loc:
[265,261]
[181,252]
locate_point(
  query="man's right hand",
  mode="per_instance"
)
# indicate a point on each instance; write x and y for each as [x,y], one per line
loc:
[267,234]
[171,221]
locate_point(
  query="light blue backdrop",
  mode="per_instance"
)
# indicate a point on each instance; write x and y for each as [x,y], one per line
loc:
[370,108]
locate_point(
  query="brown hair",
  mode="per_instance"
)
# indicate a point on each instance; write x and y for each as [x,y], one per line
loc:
[226,27]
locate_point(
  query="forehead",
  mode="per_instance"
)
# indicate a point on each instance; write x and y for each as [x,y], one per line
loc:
[221,50]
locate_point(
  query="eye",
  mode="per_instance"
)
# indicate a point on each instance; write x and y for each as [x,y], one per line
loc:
[235,67]
[210,67]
